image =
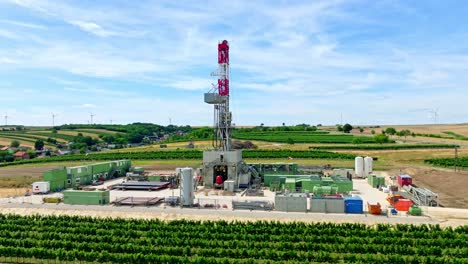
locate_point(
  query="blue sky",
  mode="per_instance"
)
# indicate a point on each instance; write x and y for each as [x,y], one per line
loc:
[373,62]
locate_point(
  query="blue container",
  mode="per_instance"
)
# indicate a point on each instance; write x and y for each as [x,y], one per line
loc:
[353,205]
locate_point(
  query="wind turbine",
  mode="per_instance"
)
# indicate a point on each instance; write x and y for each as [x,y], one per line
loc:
[53,119]
[92,115]
[435,113]
[6,119]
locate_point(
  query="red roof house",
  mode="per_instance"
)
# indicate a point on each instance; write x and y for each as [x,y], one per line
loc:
[21,155]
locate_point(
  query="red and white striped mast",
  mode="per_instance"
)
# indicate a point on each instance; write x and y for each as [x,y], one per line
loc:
[219,97]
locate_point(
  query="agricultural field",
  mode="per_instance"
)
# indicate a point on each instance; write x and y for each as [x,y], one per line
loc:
[189,154]
[449,162]
[35,239]
[301,137]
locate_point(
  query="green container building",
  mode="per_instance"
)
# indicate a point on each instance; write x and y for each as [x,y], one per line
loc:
[80,175]
[154,178]
[376,181]
[324,190]
[309,184]
[138,170]
[380,181]
[86,197]
[122,166]
[290,184]
[104,170]
[327,181]
[372,180]
[58,179]
[84,175]
[344,184]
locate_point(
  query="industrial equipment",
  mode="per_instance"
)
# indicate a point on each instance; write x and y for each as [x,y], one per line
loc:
[392,199]
[141,186]
[421,196]
[404,179]
[187,187]
[415,210]
[252,205]
[353,205]
[359,167]
[223,163]
[40,187]
[375,209]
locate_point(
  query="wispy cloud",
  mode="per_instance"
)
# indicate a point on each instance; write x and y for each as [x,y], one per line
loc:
[92,28]
[314,58]
[22,24]
[86,106]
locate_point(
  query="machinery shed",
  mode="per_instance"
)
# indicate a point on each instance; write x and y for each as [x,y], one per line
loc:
[86,197]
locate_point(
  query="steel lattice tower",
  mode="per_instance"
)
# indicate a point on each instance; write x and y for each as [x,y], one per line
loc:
[219,97]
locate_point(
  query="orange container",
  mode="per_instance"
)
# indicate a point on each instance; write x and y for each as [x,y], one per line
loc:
[374,209]
[403,205]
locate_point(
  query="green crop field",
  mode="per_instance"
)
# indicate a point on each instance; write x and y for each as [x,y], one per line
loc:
[187,154]
[386,147]
[75,239]
[449,162]
[301,137]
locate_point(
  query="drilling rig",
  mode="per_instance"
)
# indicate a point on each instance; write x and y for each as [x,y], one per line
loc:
[223,166]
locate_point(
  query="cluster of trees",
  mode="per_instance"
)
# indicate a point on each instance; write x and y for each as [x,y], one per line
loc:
[346,128]
[131,133]
[262,127]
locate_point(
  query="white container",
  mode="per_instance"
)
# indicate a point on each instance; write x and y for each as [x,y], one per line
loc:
[40,187]
[229,185]
[359,166]
[368,162]
[187,187]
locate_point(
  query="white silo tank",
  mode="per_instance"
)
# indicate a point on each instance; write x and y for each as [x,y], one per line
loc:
[359,166]
[187,187]
[368,165]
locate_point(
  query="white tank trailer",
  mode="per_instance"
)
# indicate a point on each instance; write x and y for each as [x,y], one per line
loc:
[359,166]
[187,188]
[368,163]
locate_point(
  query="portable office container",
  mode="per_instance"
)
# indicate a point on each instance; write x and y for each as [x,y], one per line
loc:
[58,179]
[40,187]
[354,205]
[404,179]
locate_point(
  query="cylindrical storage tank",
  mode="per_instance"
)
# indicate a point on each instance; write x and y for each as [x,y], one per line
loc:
[187,186]
[359,166]
[368,165]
